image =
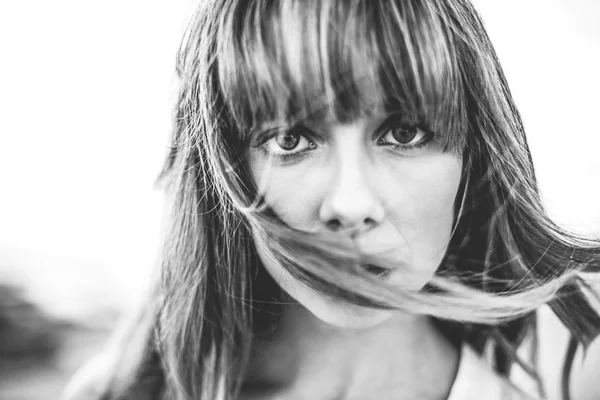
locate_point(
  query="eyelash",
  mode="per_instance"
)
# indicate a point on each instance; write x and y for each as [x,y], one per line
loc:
[383,131]
[272,135]
[426,139]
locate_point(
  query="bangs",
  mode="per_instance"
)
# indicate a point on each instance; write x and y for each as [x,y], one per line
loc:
[339,60]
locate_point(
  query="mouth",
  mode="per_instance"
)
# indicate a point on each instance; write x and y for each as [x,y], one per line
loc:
[380,272]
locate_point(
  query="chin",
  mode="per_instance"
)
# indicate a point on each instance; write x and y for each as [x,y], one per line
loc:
[338,313]
[352,317]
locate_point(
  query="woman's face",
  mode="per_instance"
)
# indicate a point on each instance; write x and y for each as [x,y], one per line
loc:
[379,182]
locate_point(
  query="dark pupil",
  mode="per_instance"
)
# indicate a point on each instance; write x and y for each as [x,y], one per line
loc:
[288,140]
[404,135]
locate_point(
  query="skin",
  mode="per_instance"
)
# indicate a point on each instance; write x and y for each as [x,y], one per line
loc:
[396,204]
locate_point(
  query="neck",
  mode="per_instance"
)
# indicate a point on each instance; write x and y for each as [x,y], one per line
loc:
[405,355]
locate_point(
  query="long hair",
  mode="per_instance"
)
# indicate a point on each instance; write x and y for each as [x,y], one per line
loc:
[246,62]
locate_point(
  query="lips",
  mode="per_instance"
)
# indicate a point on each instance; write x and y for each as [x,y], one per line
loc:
[384,259]
[376,270]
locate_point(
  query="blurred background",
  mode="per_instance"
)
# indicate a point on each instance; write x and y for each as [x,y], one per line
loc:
[86,94]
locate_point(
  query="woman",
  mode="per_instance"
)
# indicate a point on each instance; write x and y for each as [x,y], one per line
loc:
[354,215]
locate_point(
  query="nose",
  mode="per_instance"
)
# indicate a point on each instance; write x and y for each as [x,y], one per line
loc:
[350,203]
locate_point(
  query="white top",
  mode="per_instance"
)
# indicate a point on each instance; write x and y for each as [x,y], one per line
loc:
[477,380]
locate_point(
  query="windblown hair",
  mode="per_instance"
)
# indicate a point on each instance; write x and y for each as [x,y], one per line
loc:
[246,62]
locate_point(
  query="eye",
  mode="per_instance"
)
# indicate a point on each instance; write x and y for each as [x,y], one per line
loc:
[288,142]
[405,136]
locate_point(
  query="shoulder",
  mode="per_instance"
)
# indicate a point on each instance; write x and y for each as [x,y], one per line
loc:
[585,382]
[91,381]
[103,379]
[553,342]
[476,380]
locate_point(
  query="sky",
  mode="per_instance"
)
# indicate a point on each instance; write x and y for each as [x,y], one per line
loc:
[86,93]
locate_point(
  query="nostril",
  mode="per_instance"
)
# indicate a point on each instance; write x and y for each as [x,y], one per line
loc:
[369,222]
[334,224]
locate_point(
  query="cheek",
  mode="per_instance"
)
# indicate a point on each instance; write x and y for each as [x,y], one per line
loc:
[418,196]
[292,192]
[422,207]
